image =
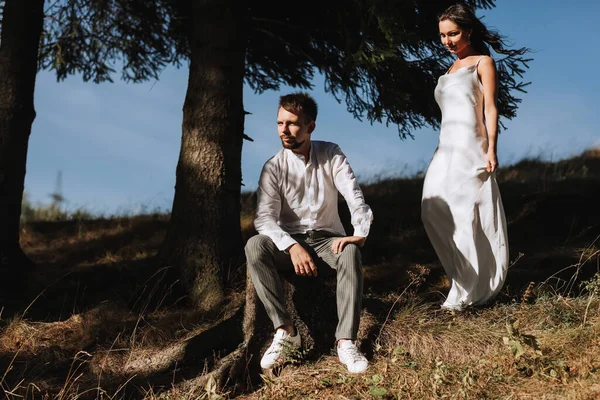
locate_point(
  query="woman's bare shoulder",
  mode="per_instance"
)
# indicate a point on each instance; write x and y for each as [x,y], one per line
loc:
[486,62]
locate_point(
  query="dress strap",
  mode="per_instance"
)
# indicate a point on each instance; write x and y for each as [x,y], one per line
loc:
[477,63]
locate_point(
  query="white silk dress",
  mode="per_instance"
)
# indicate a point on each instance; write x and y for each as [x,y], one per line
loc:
[461,206]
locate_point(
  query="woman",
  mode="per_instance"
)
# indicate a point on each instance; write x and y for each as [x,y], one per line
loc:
[461,206]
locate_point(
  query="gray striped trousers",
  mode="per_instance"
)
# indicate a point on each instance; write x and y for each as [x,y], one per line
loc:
[264,259]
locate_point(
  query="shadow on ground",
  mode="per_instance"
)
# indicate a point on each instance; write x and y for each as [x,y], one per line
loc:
[99,278]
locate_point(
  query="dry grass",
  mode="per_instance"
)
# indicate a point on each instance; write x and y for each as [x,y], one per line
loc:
[103,322]
[425,354]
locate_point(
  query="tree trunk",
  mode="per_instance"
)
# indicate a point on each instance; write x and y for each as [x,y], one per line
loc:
[21,29]
[203,239]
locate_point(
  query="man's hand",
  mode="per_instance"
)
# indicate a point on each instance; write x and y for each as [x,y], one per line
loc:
[338,244]
[303,262]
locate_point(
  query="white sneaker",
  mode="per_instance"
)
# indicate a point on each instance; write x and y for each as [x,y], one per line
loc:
[281,346]
[351,357]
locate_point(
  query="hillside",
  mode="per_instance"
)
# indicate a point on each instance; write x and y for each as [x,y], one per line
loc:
[104,322]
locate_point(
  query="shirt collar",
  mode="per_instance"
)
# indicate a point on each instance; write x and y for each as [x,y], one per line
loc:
[311,154]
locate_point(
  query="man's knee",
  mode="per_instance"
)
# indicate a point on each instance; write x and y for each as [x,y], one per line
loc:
[351,256]
[258,246]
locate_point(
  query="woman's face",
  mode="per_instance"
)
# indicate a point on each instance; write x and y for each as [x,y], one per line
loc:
[453,36]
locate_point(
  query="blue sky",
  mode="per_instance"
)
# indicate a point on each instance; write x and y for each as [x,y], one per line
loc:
[116,145]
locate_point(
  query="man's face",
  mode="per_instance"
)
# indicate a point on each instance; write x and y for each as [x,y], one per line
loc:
[293,130]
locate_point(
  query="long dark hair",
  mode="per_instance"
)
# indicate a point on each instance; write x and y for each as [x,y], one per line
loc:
[482,38]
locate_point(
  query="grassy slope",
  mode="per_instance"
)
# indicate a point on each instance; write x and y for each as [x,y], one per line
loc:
[106,321]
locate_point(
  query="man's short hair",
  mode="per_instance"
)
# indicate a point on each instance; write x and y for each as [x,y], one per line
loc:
[300,102]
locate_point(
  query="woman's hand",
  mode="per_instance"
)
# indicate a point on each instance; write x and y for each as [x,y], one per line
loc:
[491,161]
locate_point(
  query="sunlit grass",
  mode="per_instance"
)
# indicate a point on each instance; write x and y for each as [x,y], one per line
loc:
[105,322]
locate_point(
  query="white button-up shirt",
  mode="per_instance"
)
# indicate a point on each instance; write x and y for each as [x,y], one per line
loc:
[295,196]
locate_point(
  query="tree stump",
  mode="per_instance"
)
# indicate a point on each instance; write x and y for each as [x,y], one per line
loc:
[311,302]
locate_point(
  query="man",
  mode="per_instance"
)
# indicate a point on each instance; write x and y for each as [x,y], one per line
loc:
[298,224]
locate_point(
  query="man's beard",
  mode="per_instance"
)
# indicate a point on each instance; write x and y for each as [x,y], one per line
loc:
[292,145]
